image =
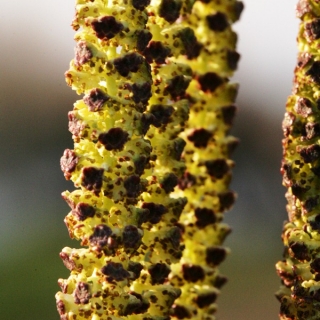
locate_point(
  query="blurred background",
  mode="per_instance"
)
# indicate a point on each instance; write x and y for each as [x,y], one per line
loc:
[36,47]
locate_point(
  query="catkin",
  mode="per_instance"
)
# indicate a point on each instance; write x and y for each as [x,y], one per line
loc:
[144,68]
[300,269]
[207,155]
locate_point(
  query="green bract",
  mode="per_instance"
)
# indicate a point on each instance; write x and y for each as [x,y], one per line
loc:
[150,159]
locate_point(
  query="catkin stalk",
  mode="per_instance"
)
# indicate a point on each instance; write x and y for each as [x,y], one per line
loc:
[142,66]
[300,269]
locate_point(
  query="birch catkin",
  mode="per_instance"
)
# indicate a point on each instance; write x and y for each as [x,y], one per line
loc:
[207,154]
[142,66]
[300,269]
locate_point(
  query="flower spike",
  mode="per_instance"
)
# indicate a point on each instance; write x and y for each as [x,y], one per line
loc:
[142,68]
[299,270]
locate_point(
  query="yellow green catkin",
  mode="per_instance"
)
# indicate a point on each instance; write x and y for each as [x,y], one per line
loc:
[207,155]
[300,269]
[144,68]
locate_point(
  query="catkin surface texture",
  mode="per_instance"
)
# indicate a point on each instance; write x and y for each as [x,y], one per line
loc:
[299,270]
[150,161]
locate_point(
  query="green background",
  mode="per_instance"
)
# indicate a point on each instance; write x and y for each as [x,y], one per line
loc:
[36,47]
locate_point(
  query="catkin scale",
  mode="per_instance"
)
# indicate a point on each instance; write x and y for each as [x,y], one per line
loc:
[144,69]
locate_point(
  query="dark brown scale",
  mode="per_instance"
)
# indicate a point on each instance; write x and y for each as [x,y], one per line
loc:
[286,170]
[204,217]
[310,154]
[231,146]
[135,268]
[100,236]
[95,99]
[141,92]
[139,164]
[192,273]
[311,203]
[68,163]
[312,30]
[315,265]
[217,22]
[114,139]
[217,168]
[298,191]
[170,10]
[303,107]
[299,128]
[299,291]
[187,181]
[128,63]
[115,271]
[91,179]
[177,86]
[180,312]
[106,27]
[143,38]
[228,113]
[82,53]
[315,223]
[215,255]
[314,72]
[316,170]
[178,206]
[161,114]
[220,281]
[200,137]
[300,251]
[233,58]
[226,200]
[69,264]
[146,120]
[82,293]
[191,45]
[178,146]
[76,126]
[159,273]
[238,8]
[285,309]
[156,52]
[135,307]
[205,299]
[174,236]
[168,182]
[312,130]
[83,211]
[140,4]
[316,295]
[132,186]
[210,81]
[131,237]
[156,211]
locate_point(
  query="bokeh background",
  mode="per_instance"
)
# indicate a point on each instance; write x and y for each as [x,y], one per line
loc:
[36,47]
